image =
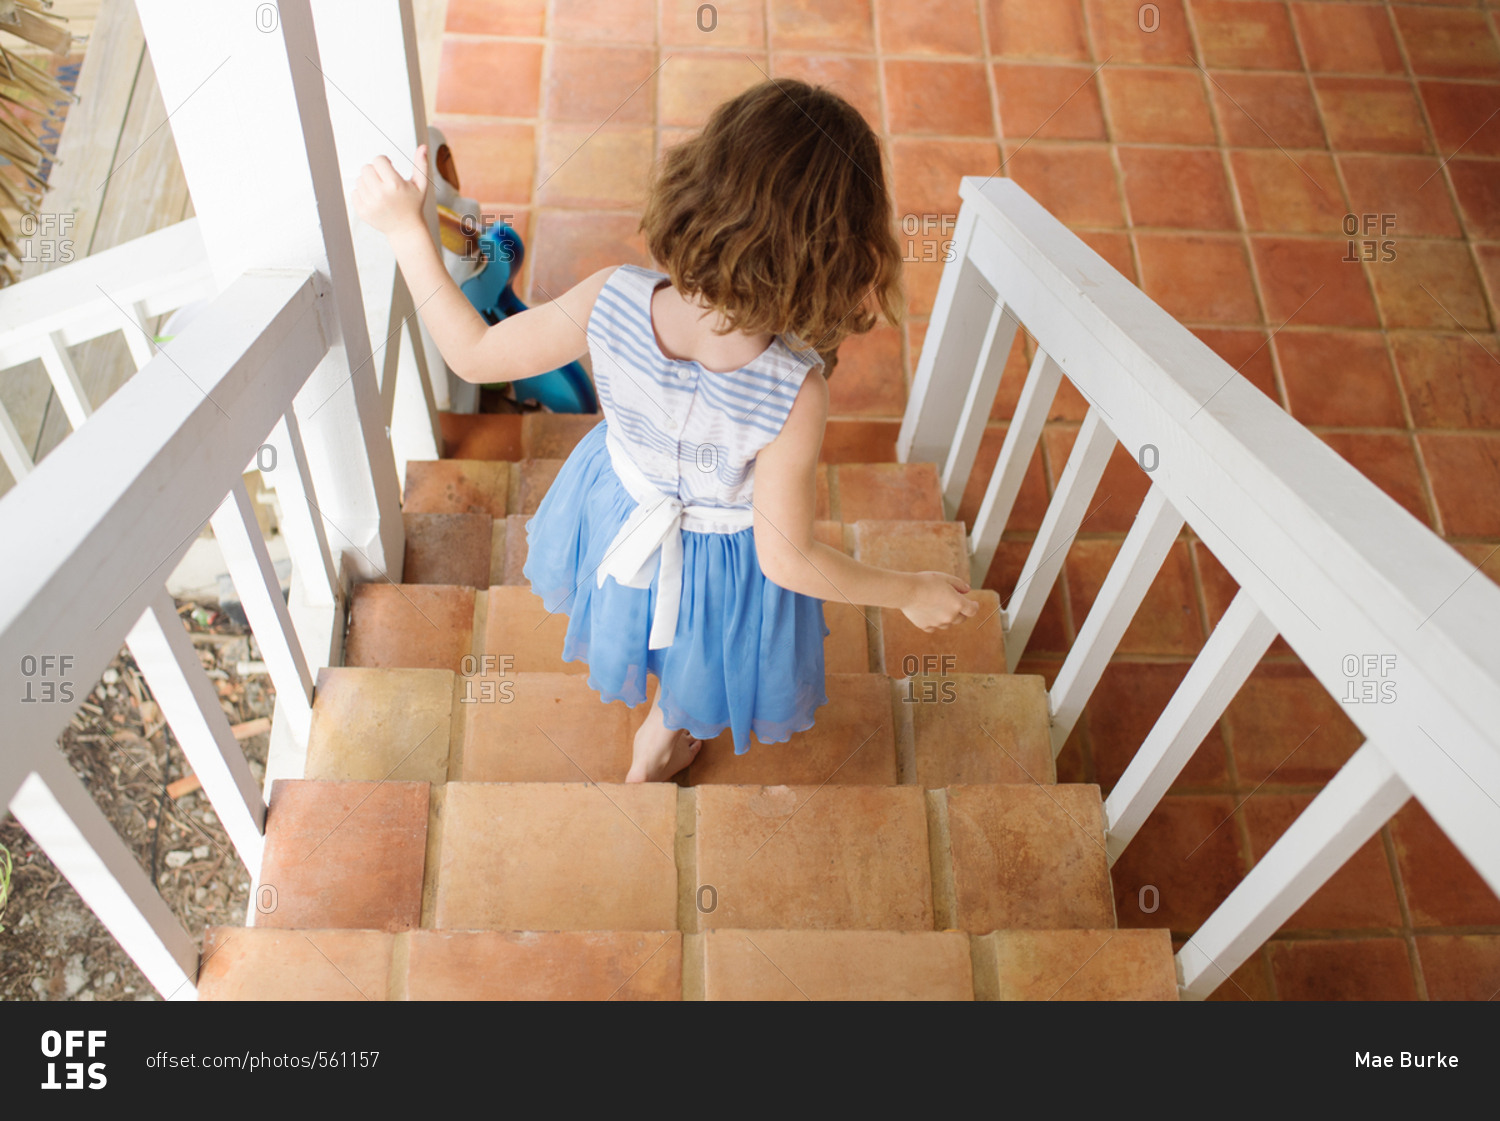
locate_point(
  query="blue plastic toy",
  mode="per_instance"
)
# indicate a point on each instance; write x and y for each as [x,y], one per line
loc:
[564,390]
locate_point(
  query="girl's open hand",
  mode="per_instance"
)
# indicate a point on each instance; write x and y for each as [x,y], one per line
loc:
[385,200]
[938,601]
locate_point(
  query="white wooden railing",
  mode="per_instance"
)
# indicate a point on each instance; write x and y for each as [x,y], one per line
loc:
[308,365]
[1321,555]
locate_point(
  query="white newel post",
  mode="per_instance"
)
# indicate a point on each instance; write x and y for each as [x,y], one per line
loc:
[246,93]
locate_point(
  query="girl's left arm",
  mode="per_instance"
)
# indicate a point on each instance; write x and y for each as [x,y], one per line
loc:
[533,342]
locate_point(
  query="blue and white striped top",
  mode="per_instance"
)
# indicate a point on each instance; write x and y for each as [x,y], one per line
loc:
[693,433]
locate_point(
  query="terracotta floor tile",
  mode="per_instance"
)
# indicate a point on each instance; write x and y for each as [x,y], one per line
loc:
[947,98]
[519,628]
[1371,115]
[456,486]
[530,481]
[557,856]
[1049,102]
[1167,622]
[1189,852]
[496,162]
[594,84]
[550,965]
[1118,33]
[1247,352]
[1489,266]
[868,381]
[800,857]
[690,85]
[481,435]
[1031,502]
[604,169]
[257,963]
[1308,282]
[497,17]
[1431,284]
[1339,378]
[1051,633]
[921,279]
[913,546]
[1460,967]
[570,246]
[1080,965]
[1251,981]
[927,172]
[1389,461]
[972,729]
[1291,194]
[489,77]
[447,549]
[542,727]
[1075,182]
[829,25]
[836,965]
[976,645]
[1465,473]
[611,21]
[732,23]
[1125,706]
[1442,888]
[889,491]
[1447,43]
[1360,894]
[1474,182]
[1463,116]
[1347,39]
[1178,188]
[1220,588]
[1267,111]
[1122,488]
[345,854]
[846,648]
[852,740]
[1029,858]
[1036,30]
[859,441]
[1284,727]
[1157,106]
[1198,278]
[856,80]
[1114,248]
[1246,36]
[415,626]
[1450,379]
[375,724]
[1407,188]
[554,435]
[911,27]
[1368,969]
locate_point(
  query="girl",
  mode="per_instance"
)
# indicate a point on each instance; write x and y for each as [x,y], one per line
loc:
[678,536]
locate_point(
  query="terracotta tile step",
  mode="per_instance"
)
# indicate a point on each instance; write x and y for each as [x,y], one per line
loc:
[1075,965]
[833,965]
[554,435]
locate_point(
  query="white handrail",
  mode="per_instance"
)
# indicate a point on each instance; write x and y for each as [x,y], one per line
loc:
[1336,567]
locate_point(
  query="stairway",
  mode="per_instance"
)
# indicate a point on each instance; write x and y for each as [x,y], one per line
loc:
[464,832]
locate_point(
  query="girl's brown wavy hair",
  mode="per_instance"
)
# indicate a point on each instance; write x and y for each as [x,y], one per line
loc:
[777,216]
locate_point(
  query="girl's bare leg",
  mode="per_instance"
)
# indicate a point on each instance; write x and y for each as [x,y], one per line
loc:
[660,752]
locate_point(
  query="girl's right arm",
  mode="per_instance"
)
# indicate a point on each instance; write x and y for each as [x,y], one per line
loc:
[785,503]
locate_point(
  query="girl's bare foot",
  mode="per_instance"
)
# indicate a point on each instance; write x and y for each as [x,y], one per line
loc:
[660,752]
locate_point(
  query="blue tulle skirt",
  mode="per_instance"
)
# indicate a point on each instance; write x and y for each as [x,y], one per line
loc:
[748,654]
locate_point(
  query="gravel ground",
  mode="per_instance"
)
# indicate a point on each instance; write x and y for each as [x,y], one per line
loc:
[51,946]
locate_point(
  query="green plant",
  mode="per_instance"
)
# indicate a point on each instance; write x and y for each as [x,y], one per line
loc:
[6,867]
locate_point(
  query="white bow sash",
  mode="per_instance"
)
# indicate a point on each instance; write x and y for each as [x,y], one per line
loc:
[654,530]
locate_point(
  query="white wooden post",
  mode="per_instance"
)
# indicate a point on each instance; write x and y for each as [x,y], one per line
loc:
[1021,439]
[62,818]
[60,369]
[1140,558]
[13,449]
[1345,814]
[1222,666]
[190,703]
[1065,515]
[250,115]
